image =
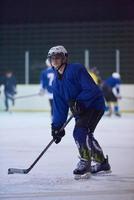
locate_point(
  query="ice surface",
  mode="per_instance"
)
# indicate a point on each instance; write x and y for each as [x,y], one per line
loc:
[24,135]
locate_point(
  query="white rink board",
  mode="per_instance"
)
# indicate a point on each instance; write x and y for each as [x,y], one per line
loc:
[40,103]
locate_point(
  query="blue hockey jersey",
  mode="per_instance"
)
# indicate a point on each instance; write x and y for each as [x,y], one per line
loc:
[113,83]
[9,84]
[46,79]
[75,84]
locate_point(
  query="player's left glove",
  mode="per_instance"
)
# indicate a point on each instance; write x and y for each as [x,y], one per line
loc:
[57,134]
[41,92]
[118,97]
[15,92]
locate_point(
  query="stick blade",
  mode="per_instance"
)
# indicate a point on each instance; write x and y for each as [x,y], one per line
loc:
[17,171]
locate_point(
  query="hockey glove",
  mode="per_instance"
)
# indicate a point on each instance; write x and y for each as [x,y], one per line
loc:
[41,92]
[57,134]
[76,108]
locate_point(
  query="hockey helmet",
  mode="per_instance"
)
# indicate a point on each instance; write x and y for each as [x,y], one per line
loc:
[116,75]
[57,50]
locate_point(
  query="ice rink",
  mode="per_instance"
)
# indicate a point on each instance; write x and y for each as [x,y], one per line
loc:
[24,135]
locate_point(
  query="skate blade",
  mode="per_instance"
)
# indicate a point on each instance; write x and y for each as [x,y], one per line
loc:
[84,176]
[102,173]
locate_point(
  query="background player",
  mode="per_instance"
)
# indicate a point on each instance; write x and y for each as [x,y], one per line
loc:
[9,83]
[46,80]
[95,74]
[111,90]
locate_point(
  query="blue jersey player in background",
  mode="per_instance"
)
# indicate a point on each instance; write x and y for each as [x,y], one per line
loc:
[74,88]
[46,80]
[111,91]
[9,83]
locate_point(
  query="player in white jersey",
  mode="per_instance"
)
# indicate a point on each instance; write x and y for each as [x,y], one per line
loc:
[46,80]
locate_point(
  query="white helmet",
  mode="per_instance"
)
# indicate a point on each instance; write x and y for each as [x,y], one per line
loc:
[48,64]
[116,75]
[57,50]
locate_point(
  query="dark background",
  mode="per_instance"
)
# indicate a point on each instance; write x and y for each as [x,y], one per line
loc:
[102,26]
[40,11]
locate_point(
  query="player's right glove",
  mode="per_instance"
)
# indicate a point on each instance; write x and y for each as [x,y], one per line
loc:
[76,108]
[57,134]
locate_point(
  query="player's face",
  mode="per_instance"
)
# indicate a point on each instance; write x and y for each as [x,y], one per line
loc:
[56,60]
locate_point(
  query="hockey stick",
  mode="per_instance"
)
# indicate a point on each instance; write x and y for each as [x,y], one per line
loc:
[129,98]
[25,171]
[26,96]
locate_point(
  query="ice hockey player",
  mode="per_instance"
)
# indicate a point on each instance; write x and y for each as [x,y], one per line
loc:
[46,80]
[111,91]
[74,88]
[9,82]
[1,80]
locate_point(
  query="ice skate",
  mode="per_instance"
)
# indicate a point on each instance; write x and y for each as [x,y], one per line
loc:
[83,170]
[101,168]
[117,114]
